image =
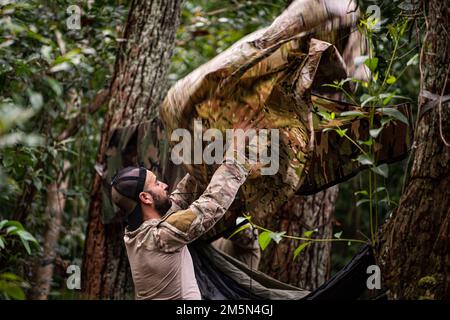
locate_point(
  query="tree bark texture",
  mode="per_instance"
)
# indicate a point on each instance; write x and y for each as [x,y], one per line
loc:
[414,252]
[137,88]
[56,202]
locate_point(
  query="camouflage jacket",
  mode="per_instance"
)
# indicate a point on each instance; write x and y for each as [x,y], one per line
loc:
[186,221]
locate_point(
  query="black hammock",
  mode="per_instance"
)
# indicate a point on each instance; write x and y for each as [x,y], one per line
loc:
[222,277]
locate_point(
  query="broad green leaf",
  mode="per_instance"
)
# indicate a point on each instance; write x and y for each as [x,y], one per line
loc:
[11,230]
[264,239]
[277,236]
[382,170]
[15,292]
[26,236]
[300,249]
[352,113]
[2,242]
[394,113]
[16,224]
[371,63]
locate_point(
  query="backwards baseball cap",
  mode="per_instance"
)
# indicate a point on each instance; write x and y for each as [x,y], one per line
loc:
[126,186]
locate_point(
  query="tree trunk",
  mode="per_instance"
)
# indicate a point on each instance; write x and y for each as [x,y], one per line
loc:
[56,201]
[138,87]
[302,213]
[414,252]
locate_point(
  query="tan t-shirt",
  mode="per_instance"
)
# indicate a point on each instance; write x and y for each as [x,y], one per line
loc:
[161,264]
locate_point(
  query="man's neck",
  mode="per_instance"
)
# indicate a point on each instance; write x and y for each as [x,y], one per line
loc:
[150,213]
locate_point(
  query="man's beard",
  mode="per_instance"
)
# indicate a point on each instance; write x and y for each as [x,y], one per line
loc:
[162,205]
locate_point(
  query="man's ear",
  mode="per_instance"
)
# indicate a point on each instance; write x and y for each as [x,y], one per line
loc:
[146,198]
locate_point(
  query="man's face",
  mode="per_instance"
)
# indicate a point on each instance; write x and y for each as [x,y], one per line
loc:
[159,192]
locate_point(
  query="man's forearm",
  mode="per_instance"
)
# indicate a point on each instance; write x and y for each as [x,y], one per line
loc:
[187,225]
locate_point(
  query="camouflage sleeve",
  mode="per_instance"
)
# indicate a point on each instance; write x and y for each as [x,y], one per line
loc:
[182,227]
[184,194]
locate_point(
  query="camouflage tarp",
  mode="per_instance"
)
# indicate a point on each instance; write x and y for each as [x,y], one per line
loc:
[272,73]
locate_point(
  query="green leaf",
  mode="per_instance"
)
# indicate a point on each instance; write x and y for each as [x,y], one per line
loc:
[10,277]
[26,236]
[14,292]
[245,226]
[388,98]
[264,239]
[368,142]
[371,63]
[363,192]
[352,113]
[375,132]
[394,113]
[379,189]
[2,242]
[3,223]
[11,230]
[309,233]
[341,132]
[26,245]
[36,99]
[365,159]
[360,202]
[391,80]
[338,235]
[367,100]
[414,60]
[325,115]
[277,236]
[240,220]
[300,249]
[382,170]
[54,85]
[16,224]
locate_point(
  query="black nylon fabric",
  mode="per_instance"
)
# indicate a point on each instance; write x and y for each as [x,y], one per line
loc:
[214,284]
[348,284]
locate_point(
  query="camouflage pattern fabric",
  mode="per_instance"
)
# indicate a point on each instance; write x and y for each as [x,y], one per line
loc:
[270,74]
[179,227]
